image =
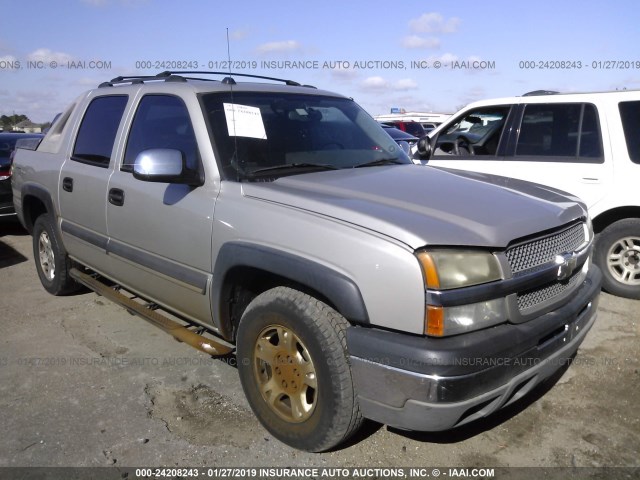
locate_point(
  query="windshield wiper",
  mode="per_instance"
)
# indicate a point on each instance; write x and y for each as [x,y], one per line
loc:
[292,167]
[381,161]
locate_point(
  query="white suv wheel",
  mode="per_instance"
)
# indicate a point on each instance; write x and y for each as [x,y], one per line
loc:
[623,260]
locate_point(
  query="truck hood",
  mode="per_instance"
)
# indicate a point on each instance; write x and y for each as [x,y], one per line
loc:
[422,205]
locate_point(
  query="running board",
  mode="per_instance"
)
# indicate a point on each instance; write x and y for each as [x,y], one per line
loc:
[199,342]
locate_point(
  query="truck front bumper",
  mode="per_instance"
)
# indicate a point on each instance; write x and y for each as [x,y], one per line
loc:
[434,384]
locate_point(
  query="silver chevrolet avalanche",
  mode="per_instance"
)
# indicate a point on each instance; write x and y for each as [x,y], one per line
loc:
[279,223]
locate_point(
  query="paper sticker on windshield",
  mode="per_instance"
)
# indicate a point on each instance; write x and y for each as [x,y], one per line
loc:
[244,121]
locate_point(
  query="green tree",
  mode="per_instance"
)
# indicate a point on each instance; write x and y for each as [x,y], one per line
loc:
[5,122]
[8,121]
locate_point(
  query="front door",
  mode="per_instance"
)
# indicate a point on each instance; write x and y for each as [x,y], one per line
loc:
[160,233]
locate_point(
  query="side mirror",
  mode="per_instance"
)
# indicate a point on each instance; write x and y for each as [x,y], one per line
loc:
[164,165]
[405,147]
[424,148]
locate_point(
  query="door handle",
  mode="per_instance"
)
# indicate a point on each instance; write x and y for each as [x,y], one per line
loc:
[116,197]
[67,184]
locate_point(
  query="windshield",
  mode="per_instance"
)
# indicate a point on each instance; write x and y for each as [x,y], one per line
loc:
[287,134]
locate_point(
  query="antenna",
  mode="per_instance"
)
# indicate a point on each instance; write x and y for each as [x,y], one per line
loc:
[234,159]
[228,51]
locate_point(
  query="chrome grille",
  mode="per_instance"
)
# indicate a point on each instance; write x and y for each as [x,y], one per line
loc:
[536,296]
[534,253]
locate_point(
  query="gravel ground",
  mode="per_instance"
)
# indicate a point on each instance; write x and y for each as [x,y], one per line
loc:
[83,383]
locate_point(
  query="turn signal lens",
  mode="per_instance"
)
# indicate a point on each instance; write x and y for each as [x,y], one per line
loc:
[434,321]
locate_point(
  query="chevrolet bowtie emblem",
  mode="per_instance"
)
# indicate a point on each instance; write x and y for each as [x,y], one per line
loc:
[566,265]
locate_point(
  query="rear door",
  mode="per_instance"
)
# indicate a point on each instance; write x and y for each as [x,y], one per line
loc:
[561,145]
[84,179]
[160,233]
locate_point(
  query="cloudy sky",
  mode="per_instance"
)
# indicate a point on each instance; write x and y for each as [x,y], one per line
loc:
[413,54]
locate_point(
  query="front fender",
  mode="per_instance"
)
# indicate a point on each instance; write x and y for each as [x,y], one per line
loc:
[340,290]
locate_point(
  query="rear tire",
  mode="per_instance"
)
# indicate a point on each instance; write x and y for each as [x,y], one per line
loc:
[52,263]
[294,369]
[618,256]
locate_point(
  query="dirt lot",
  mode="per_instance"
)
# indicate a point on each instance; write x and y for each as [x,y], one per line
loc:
[83,383]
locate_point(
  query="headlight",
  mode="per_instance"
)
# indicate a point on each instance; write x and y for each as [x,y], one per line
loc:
[445,269]
[448,269]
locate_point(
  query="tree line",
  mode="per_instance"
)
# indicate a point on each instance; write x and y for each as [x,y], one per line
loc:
[7,122]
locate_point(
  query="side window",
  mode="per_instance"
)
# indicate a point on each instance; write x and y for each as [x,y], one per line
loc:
[630,116]
[161,121]
[476,134]
[98,129]
[560,130]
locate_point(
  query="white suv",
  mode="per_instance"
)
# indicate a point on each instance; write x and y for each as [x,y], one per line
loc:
[587,144]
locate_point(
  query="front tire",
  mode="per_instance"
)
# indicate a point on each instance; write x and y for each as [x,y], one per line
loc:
[52,263]
[294,369]
[618,256]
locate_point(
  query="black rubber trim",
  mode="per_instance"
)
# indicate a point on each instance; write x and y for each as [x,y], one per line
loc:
[502,288]
[507,131]
[181,273]
[170,269]
[88,236]
[470,352]
[41,194]
[514,131]
[336,287]
[92,163]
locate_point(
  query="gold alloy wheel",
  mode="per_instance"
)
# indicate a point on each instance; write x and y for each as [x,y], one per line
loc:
[285,373]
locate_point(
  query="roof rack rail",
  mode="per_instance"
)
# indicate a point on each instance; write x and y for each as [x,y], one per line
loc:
[229,76]
[177,76]
[136,79]
[540,92]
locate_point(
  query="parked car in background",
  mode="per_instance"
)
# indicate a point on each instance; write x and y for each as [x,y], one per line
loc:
[8,143]
[401,138]
[428,120]
[587,144]
[412,128]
